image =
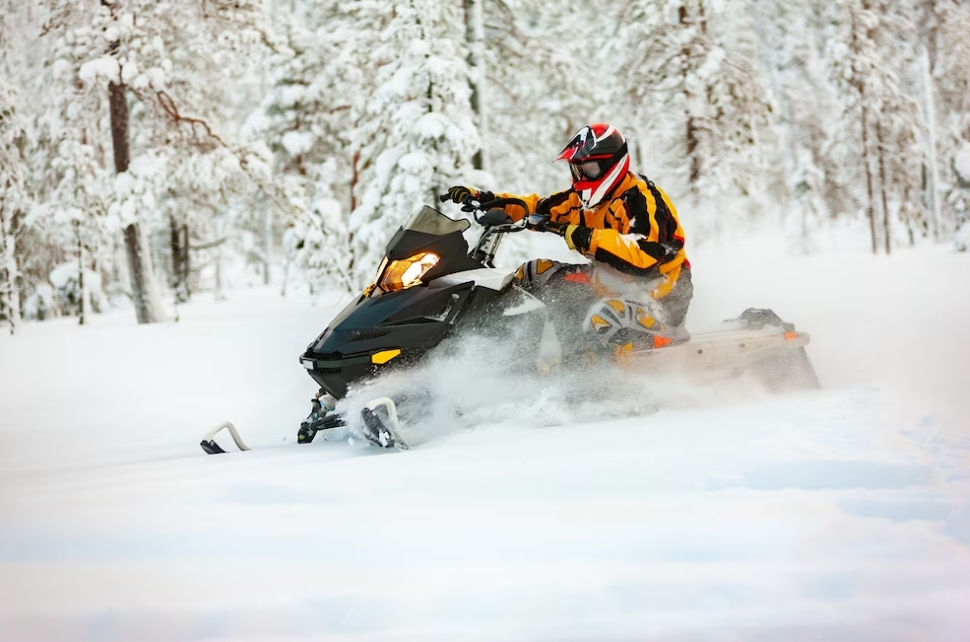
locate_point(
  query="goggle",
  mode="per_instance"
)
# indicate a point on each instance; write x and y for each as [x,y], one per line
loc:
[586,170]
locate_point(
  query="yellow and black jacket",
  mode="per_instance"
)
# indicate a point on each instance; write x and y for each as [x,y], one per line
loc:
[636,231]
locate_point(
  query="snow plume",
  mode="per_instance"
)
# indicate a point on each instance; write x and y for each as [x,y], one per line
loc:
[477,382]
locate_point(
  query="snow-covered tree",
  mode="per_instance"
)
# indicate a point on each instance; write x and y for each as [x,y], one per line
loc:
[416,132]
[801,173]
[315,69]
[684,80]
[882,119]
[14,202]
[155,62]
[539,92]
[944,27]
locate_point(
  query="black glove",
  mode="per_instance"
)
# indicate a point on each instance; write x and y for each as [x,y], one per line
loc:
[578,237]
[459,194]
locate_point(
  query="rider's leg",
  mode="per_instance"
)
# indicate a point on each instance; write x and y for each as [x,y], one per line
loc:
[676,303]
[634,325]
[537,275]
[642,322]
[585,321]
[566,290]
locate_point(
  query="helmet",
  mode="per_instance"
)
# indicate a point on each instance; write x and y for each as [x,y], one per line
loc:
[598,160]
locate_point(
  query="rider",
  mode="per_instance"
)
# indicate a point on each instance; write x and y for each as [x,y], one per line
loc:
[635,291]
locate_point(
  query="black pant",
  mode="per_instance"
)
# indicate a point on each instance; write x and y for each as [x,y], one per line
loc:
[566,290]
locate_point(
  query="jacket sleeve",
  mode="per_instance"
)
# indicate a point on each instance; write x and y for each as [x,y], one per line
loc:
[640,251]
[537,204]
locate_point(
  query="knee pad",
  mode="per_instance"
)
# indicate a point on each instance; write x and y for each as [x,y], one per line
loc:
[536,273]
[617,320]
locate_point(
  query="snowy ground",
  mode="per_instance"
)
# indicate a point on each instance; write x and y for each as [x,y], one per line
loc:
[841,514]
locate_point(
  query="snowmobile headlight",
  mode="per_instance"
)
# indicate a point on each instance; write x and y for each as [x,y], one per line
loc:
[406,273]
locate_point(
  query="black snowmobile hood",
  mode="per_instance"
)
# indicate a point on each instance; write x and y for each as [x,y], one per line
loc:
[397,327]
[380,315]
[383,329]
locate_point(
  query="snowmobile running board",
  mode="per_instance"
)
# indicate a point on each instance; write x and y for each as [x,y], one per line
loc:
[212,448]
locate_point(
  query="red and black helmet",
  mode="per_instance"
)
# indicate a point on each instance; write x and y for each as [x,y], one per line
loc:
[598,160]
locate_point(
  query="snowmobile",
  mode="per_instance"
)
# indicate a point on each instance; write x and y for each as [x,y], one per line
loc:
[431,288]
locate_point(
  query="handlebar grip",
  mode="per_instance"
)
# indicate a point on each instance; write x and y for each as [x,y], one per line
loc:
[444,197]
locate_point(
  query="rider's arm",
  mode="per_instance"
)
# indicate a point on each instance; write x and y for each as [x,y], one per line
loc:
[639,251]
[537,204]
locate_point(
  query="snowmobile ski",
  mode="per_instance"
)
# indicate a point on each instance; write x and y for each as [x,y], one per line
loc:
[210,446]
[381,433]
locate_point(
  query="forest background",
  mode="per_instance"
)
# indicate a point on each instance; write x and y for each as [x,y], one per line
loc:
[150,151]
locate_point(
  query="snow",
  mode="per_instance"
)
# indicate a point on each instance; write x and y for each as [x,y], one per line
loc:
[296,143]
[129,71]
[961,162]
[105,66]
[386,162]
[839,514]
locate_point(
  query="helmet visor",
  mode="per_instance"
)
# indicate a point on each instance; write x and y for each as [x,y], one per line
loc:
[580,146]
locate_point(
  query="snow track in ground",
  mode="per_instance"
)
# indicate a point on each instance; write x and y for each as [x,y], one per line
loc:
[842,513]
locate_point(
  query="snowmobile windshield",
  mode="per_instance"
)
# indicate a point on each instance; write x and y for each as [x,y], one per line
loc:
[428,220]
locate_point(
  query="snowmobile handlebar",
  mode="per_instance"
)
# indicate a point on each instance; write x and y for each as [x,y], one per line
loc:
[491,214]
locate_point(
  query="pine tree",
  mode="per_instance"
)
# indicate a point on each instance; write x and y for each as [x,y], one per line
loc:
[13,205]
[155,62]
[540,92]
[881,115]
[683,78]
[416,133]
[304,117]
[943,26]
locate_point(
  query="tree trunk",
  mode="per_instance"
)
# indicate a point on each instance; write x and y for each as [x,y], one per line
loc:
[9,269]
[354,180]
[930,112]
[186,261]
[136,265]
[886,228]
[693,153]
[870,210]
[82,300]
[219,296]
[267,239]
[864,114]
[475,35]
[140,293]
[118,104]
[175,246]
[692,135]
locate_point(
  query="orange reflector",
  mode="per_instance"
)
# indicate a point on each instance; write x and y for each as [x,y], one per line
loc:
[659,342]
[380,358]
[791,336]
